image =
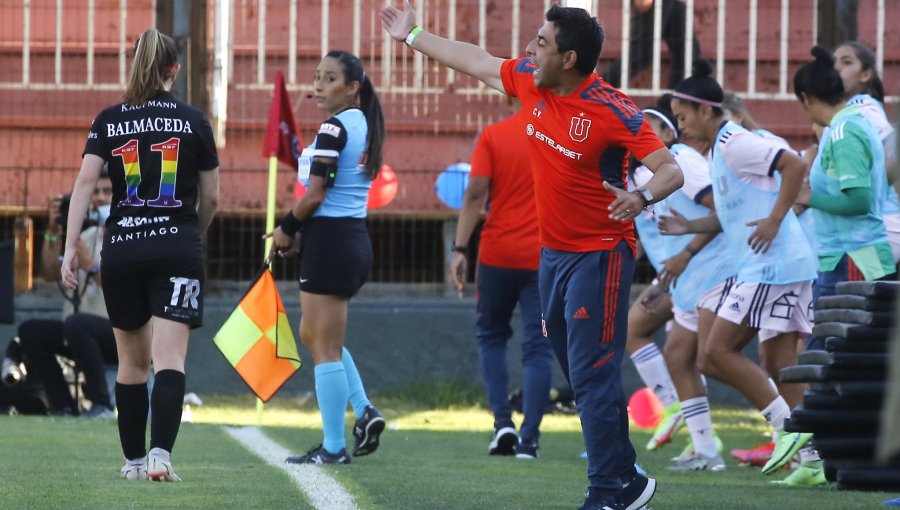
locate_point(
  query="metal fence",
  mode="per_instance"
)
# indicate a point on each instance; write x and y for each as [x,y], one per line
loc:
[63,60]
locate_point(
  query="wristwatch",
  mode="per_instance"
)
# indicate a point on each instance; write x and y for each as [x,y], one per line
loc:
[645,195]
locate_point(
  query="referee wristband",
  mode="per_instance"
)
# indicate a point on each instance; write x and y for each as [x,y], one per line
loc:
[290,225]
[690,249]
[412,35]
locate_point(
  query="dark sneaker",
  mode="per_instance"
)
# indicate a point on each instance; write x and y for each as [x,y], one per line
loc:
[528,449]
[503,442]
[596,500]
[638,492]
[319,455]
[366,432]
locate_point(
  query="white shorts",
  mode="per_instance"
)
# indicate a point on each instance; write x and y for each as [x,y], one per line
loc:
[774,308]
[689,320]
[768,334]
[712,299]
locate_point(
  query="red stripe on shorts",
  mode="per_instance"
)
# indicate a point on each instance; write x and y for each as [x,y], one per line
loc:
[611,299]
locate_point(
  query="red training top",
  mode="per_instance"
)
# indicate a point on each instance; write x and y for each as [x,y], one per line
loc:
[509,238]
[575,143]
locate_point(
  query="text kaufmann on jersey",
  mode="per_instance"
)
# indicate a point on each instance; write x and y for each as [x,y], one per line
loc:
[163,124]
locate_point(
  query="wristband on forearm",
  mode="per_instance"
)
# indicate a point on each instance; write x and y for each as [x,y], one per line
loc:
[412,35]
[691,250]
[290,225]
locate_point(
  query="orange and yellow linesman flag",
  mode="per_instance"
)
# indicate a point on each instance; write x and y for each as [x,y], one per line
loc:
[257,339]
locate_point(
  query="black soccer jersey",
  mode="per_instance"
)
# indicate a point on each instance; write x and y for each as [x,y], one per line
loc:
[155,153]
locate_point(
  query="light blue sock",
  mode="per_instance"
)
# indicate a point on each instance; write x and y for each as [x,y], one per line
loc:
[358,398]
[331,393]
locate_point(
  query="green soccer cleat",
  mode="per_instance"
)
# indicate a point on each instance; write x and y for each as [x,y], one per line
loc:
[808,474]
[671,422]
[787,445]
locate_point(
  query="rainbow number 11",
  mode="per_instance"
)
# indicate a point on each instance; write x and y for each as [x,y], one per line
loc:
[132,164]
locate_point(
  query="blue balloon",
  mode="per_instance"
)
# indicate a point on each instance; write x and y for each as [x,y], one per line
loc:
[450,185]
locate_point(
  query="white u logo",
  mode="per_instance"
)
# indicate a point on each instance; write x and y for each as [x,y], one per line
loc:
[579,129]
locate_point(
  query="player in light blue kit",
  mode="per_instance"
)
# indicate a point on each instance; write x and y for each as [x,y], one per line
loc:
[776,265]
[690,267]
[855,63]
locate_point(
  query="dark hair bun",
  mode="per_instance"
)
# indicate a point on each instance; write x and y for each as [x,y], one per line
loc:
[702,68]
[822,55]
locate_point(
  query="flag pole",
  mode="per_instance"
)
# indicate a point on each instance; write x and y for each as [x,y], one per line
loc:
[270,226]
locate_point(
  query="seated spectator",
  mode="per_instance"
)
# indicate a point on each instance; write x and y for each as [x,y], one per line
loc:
[84,333]
[18,394]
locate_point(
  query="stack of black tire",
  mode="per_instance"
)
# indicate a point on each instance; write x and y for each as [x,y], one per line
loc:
[848,384]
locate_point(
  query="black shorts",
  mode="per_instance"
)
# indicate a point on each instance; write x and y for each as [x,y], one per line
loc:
[335,256]
[170,288]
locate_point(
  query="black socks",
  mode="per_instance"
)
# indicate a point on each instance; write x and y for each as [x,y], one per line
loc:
[133,404]
[167,402]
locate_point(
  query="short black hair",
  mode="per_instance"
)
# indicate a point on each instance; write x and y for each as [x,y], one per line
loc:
[701,84]
[819,79]
[577,30]
[104,172]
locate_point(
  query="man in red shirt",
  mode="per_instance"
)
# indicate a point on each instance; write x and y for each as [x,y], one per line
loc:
[580,133]
[507,273]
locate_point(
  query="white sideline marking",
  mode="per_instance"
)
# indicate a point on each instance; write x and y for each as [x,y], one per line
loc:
[323,491]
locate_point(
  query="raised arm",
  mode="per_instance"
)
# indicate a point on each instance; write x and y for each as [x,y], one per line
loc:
[463,57]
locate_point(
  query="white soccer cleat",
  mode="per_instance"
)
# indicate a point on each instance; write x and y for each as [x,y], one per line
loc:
[159,470]
[134,472]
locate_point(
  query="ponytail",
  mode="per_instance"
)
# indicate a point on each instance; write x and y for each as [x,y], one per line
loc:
[370,106]
[155,55]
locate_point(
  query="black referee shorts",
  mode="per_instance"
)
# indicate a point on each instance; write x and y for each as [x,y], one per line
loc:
[335,256]
[170,288]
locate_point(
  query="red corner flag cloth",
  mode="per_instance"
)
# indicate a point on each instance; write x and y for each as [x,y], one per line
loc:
[282,139]
[257,339]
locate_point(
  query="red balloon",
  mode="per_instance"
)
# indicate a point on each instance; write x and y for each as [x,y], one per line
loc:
[384,188]
[645,409]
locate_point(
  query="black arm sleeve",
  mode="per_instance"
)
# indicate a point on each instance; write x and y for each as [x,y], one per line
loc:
[331,139]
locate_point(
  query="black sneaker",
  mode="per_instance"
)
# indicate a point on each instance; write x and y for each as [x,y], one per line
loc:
[638,492]
[596,500]
[503,442]
[319,455]
[528,449]
[366,432]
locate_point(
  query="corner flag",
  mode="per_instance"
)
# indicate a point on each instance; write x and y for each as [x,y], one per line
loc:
[257,339]
[282,140]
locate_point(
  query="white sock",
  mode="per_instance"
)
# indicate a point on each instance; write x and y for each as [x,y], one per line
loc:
[809,454]
[651,366]
[776,412]
[161,454]
[699,424]
[136,462]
